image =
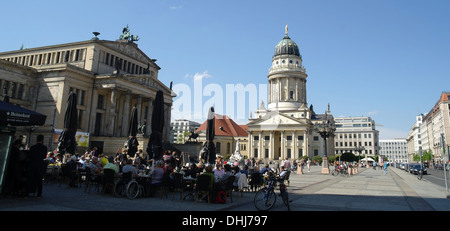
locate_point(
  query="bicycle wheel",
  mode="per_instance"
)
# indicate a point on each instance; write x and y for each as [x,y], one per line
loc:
[132,190]
[284,195]
[264,199]
[420,175]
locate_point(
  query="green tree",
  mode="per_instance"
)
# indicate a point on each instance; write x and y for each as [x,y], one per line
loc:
[426,155]
[317,159]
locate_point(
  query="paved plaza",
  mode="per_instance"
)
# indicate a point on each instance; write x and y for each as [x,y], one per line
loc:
[370,190]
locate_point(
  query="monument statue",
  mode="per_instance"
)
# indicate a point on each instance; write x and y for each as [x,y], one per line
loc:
[237,156]
[126,35]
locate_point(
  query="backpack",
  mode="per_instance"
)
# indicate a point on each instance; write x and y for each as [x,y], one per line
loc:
[221,197]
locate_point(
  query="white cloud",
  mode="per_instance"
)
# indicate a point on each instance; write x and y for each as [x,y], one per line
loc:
[198,76]
[175,7]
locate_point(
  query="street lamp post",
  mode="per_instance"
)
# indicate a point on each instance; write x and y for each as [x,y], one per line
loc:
[359,149]
[325,129]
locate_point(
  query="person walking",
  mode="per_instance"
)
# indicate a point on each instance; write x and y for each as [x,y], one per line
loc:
[308,164]
[38,153]
[385,168]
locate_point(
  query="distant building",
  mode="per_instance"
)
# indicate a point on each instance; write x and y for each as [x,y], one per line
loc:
[435,126]
[395,150]
[414,142]
[181,129]
[109,77]
[353,132]
[227,133]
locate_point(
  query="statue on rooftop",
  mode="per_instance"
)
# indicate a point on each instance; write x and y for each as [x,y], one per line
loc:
[126,35]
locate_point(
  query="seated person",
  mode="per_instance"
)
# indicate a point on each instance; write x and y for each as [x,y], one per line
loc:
[220,183]
[157,174]
[191,172]
[209,172]
[130,168]
[71,170]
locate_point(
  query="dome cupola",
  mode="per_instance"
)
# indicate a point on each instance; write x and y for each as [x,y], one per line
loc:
[286,47]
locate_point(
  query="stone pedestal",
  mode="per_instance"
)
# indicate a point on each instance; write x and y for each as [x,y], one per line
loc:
[325,168]
[299,170]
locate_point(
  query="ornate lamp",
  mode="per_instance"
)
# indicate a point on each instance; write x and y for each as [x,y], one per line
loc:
[325,129]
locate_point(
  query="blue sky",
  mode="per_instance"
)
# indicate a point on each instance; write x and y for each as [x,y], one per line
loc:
[388,59]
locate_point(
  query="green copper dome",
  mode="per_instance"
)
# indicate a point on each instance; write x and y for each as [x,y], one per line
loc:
[286,47]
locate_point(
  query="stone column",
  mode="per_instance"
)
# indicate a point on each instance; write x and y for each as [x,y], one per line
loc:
[139,108]
[149,117]
[112,113]
[271,144]
[93,110]
[126,113]
[283,146]
[250,145]
[293,146]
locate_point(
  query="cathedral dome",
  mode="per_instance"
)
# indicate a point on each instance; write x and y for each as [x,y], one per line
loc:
[286,47]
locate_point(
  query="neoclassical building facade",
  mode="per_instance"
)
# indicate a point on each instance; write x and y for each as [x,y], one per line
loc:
[286,127]
[109,77]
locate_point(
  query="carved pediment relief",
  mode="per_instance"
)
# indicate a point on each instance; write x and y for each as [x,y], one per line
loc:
[129,49]
[272,121]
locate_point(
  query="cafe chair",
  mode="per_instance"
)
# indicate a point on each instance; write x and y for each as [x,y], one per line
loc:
[229,187]
[90,181]
[178,185]
[165,185]
[108,180]
[242,183]
[256,181]
[203,186]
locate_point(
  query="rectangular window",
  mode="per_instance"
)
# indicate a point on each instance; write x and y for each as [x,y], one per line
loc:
[300,137]
[266,153]
[100,102]
[255,152]
[289,138]
[20,91]
[316,138]
[80,118]
[267,138]
[256,138]
[98,123]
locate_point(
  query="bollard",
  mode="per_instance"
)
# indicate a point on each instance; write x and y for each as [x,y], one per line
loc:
[299,170]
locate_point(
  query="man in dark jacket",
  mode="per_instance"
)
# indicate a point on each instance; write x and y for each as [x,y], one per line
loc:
[38,153]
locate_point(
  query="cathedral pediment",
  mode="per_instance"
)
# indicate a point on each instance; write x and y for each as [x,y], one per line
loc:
[277,119]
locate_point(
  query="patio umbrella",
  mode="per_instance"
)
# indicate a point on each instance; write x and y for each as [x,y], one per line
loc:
[132,143]
[208,152]
[154,148]
[18,116]
[67,141]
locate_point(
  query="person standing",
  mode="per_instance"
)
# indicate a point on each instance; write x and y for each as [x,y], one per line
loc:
[308,164]
[38,153]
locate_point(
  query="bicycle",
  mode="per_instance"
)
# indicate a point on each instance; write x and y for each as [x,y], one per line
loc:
[340,171]
[265,198]
[420,174]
